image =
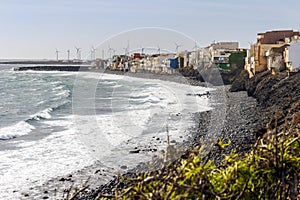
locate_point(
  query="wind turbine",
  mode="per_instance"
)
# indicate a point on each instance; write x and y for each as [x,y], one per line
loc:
[128,47]
[196,46]
[111,50]
[125,51]
[93,53]
[158,49]
[56,51]
[142,49]
[68,51]
[78,53]
[177,46]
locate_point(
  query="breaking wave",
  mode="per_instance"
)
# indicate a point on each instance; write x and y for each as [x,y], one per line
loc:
[16,130]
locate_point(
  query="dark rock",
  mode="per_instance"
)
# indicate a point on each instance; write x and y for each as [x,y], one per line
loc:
[254,81]
[135,151]
[239,83]
[62,179]
[123,167]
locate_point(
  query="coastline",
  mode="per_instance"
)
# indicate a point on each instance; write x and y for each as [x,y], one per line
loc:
[240,132]
[273,160]
[239,129]
[246,117]
[278,104]
[97,172]
[175,77]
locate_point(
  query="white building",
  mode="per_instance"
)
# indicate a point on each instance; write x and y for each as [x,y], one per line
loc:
[294,55]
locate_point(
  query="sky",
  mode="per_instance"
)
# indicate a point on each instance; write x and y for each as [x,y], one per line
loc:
[34,29]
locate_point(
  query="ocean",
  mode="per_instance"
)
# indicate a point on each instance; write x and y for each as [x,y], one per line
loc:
[54,123]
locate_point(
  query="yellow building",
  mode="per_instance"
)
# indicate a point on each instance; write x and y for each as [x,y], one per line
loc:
[269,52]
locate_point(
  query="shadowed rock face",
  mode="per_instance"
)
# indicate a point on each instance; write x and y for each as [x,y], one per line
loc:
[277,91]
[278,95]
[239,83]
[212,75]
[270,90]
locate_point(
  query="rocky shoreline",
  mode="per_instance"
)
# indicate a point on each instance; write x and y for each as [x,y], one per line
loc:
[99,174]
[242,116]
[245,117]
[240,121]
[276,105]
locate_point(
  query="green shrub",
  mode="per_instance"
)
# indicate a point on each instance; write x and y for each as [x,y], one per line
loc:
[269,171]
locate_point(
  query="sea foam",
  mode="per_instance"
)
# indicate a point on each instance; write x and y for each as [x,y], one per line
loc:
[19,129]
[45,114]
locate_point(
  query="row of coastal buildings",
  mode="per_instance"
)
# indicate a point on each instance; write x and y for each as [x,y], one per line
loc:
[273,50]
[222,54]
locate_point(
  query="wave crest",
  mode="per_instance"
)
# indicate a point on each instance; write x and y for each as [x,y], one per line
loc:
[19,129]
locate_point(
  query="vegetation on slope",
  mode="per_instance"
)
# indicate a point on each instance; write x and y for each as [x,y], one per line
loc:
[269,171]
